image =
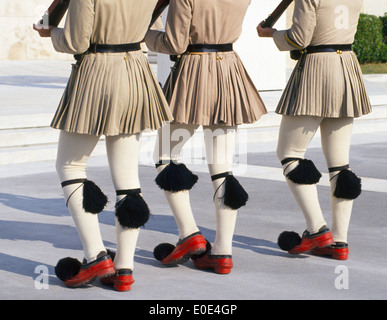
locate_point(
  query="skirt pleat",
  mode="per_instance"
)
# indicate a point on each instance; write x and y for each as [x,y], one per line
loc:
[112,94]
[215,88]
[329,85]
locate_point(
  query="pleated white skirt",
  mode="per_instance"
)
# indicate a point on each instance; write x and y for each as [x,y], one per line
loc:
[214,88]
[112,94]
[329,85]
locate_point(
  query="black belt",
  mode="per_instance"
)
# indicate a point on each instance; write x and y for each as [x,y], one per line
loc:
[105,48]
[210,47]
[329,48]
[338,48]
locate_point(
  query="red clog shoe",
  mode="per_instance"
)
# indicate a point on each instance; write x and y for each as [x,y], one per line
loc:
[338,251]
[122,280]
[75,274]
[221,264]
[294,244]
[169,255]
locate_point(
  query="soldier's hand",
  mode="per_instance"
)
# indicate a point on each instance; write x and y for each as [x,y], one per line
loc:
[44,31]
[265,32]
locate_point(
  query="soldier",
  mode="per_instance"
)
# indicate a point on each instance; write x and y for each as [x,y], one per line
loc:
[113,92]
[325,91]
[212,89]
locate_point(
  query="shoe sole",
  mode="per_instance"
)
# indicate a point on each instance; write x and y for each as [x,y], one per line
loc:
[322,241]
[223,271]
[224,268]
[334,255]
[123,285]
[101,273]
[197,248]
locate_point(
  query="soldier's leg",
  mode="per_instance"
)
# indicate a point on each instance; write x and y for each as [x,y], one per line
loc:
[296,132]
[83,198]
[220,148]
[345,185]
[131,209]
[228,197]
[175,179]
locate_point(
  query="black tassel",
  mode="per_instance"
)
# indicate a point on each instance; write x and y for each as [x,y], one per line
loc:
[132,211]
[305,173]
[67,268]
[348,185]
[111,253]
[176,177]
[234,194]
[287,240]
[94,200]
[162,250]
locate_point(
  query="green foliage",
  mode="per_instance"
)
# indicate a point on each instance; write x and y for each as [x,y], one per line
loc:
[384,28]
[369,45]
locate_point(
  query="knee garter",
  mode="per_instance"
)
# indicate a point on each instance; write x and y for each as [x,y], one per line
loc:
[175,177]
[305,172]
[132,211]
[94,200]
[234,194]
[348,184]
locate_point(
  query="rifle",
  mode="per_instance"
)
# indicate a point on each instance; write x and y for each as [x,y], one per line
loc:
[160,7]
[54,13]
[272,19]
[276,14]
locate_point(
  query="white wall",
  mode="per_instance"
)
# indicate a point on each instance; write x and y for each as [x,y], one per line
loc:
[18,40]
[375,7]
[265,64]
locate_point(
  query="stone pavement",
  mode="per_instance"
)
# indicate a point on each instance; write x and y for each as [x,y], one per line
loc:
[36,229]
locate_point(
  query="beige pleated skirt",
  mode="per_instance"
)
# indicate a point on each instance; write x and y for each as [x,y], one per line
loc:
[214,88]
[329,85]
[111,94]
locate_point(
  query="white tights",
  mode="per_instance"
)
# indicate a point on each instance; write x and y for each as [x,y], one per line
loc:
[220,144]
[74,151]
[296,132]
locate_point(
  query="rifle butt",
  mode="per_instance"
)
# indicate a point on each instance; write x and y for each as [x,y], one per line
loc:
[54,14]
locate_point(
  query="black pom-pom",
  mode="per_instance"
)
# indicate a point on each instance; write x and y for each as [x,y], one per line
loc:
[287,240]
[348,185]
[162,250]
[94,200]
[305,173]
[132,211]
[176,177]
[234,194]
[67,268]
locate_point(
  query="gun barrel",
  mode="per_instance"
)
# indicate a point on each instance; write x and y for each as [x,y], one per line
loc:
[276,14]
[160,7]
